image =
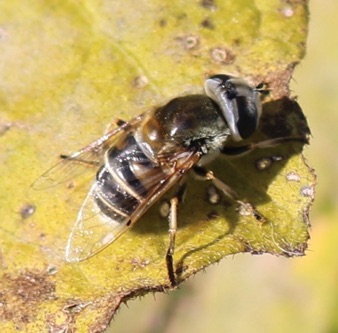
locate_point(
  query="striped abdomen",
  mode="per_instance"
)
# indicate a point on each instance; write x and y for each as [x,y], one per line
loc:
[125,180]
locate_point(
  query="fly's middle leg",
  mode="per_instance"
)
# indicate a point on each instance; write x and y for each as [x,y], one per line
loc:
[174,202]
[244,207]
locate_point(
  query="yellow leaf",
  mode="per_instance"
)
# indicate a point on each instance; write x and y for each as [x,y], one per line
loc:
[67,69]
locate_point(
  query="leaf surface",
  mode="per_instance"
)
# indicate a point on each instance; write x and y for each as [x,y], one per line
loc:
[67,69]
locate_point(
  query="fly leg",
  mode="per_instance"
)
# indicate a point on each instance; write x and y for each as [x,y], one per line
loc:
[93,164]
[119,122]
[116,122]
[244,149]
[245,207]
[174,202]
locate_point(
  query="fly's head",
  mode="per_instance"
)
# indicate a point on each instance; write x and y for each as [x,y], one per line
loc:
[239,103]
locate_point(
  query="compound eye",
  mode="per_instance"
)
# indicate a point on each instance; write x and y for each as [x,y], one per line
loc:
[239,103]
[248,117]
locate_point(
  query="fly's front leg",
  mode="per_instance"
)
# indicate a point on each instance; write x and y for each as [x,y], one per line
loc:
[172,233]
[244,149]
[245,207]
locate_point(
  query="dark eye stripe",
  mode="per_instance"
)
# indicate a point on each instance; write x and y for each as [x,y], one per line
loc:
[247,116]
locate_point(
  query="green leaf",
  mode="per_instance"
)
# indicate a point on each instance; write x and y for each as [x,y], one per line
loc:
[68,69]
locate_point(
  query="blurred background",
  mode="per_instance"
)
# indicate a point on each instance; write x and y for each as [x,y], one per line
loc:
[248,293]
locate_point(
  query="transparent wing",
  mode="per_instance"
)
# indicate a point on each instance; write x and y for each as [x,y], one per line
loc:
[94,230]
[83,161]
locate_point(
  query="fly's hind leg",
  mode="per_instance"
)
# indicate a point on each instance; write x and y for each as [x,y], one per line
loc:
[245,208]
[93,164]
[174,202]
[116,122]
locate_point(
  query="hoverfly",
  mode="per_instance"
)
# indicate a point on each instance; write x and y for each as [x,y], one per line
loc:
[143,158]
